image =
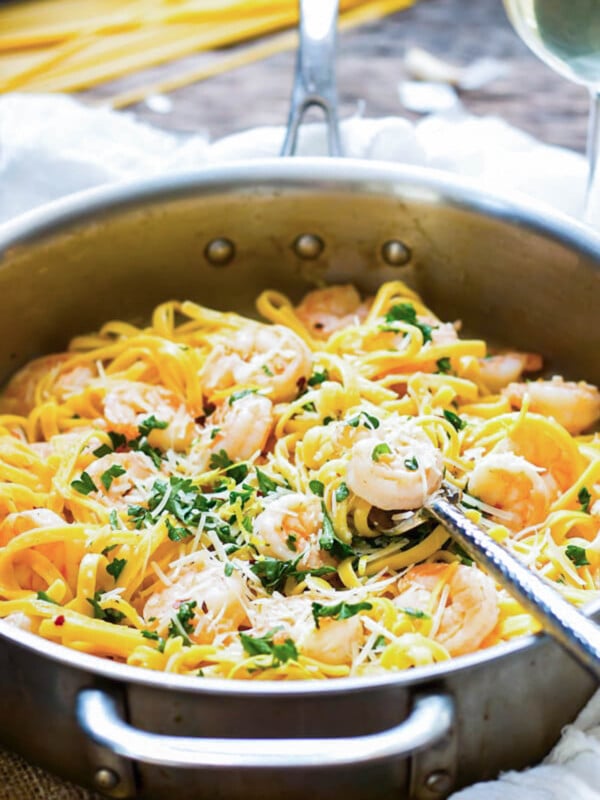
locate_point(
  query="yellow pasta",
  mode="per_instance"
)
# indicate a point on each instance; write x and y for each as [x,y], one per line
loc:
[215,496]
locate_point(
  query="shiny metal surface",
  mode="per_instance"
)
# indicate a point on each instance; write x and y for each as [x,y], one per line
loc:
[503,268]
[429,720]
[577,634]
[314,81]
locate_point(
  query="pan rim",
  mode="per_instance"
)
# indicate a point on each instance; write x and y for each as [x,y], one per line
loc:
[315,175]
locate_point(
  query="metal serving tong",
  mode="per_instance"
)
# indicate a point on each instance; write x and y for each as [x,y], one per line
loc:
[314,82]
[579,635]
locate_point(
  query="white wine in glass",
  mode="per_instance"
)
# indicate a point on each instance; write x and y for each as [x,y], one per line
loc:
[566,35]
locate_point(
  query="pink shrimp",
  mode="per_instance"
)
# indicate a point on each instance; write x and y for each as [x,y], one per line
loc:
[471,609]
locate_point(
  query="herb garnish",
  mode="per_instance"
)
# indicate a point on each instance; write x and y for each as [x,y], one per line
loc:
[265,646]
[116,567]
[577,555]
[457,423]
[406,312]
[110,474]
[584,497]
[380,450]
[341,610]
[84,484]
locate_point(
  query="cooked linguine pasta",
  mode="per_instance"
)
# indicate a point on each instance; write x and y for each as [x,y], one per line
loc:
[215,496]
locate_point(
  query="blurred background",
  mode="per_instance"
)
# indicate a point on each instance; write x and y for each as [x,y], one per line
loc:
[233,61]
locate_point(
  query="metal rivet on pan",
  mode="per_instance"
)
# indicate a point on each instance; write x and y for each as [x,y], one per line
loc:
[308,246]
[106,779]
[439,782]
[219,252]
[395,253]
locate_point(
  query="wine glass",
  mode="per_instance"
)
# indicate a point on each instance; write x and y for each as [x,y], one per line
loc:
[566,35]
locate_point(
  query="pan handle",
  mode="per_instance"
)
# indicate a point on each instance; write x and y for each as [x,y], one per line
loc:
[314,82]
[429,720]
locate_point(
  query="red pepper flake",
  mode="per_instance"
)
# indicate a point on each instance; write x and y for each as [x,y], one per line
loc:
[60,620]
[200,420]
[209,409]
[122,448]
[301,383]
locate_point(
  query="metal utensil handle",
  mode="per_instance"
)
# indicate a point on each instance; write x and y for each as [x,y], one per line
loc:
[430,719]
[575,632]
[314,82]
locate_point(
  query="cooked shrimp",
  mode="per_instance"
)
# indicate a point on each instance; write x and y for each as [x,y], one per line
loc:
[23,521]
[471,609]
[219,599]
[269,357]
[19,397]
[121,489]
[394,467]
[522,492]
[241,429]
[333,642]
[324,311]
[290,526]
[129,405]
[576,406]
[500,370]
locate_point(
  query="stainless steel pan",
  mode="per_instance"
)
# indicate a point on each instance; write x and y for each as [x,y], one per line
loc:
[511,272]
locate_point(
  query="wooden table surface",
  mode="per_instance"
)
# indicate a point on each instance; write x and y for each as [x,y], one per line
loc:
[370,66]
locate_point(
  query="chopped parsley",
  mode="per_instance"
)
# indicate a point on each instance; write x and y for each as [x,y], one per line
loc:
[181,622]
[584,498]
[114,519]
[265,484]
[46,598]
[380,450]
[105,614]
[266,370]
[265,646]
[116,567]
[577,555]
[221,460]
[229,569]
[118,440]
[84,484]
[291,542]
[317,487]
[318,377]
[238,395]
[185,502]
[341,610]
[273,573]
[110,474]
[411,464]
[443,365]
[457,423]
[103,450]
[176,533]
[368,420]
[406,312]
[342,492]
[153,636]
[213,433]
[310,407]
[415,612]
[151,424]
[329,541]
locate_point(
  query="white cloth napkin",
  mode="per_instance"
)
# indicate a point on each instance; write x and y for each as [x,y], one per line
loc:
[51,145]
